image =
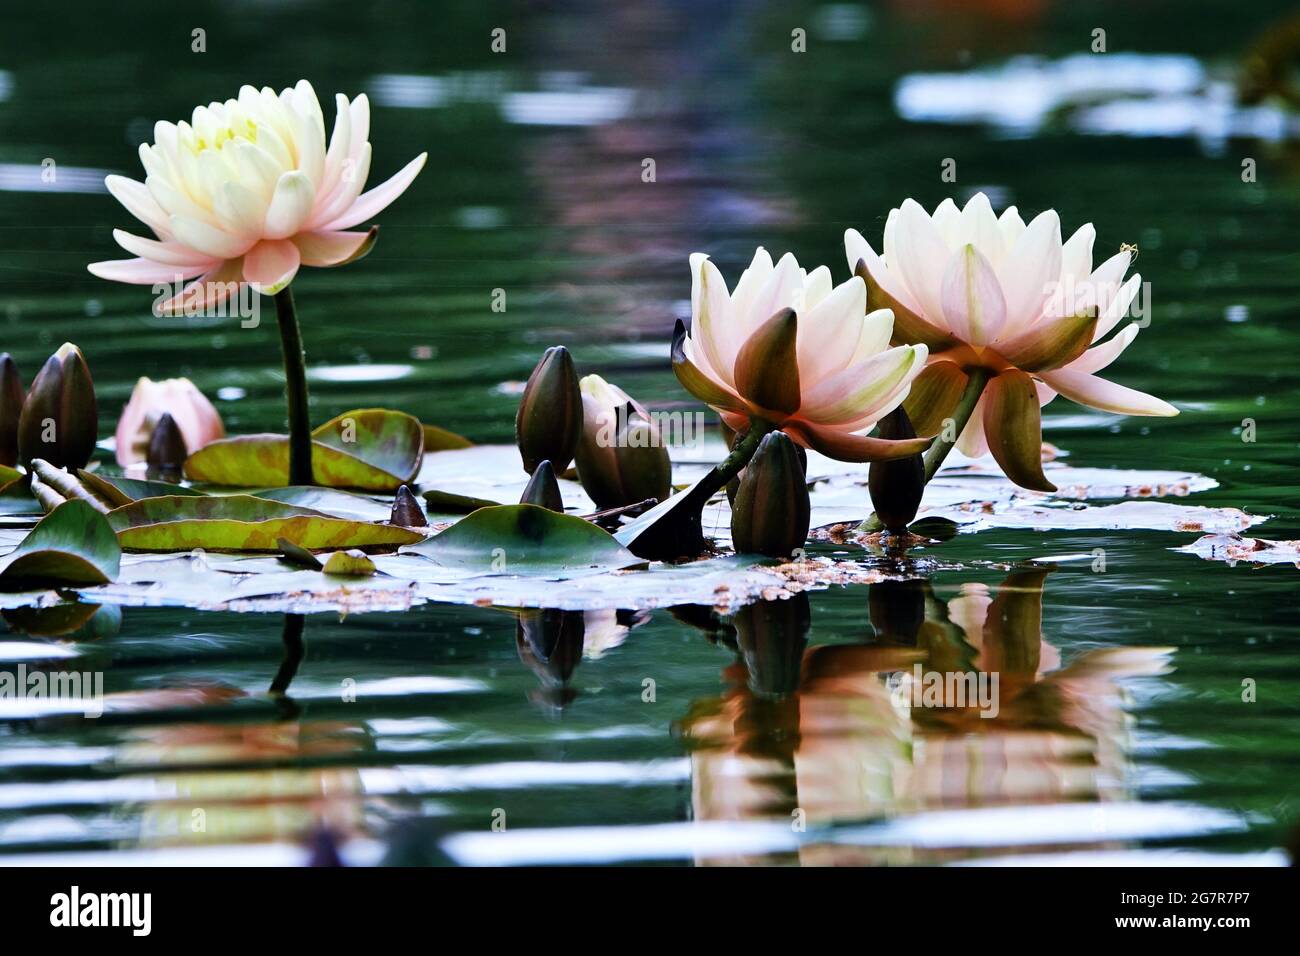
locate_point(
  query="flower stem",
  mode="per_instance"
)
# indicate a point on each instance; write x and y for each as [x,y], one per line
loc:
[740,456]
[977,378]
[295,388]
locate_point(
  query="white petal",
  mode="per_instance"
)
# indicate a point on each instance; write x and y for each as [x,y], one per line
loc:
[290,206]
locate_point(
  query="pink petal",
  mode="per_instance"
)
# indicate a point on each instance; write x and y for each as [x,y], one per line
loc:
[973,303]
[165,253]
[271,265]
[1107,396]
[334,248]
[142,271]
[376,200]
[920,260]
[1031,272]
[139,202]
[1099,356]
[209,289]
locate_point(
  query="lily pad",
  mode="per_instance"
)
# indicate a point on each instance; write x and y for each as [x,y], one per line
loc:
[118,490]
[340,504]
[526,539]
[242,523]
[372,449]
[352,563]
[388,440]
[73,544]
[439,439]
[449,503]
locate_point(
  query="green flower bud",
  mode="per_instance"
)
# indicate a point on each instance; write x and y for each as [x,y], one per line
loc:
[896,486]
[550,412]
[621,458]
[771,513]
[60,420]
[166,452]
[543,490]
[407,512]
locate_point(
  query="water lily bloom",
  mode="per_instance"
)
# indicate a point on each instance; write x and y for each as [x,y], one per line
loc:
[787,348]
[998,300]
[195,416]
[248,191]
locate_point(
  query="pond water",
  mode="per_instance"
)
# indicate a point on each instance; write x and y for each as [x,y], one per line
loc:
[782,734]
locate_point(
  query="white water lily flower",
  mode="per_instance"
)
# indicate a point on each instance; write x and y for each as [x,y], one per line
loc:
[248,191]
[789,348]
[992,293]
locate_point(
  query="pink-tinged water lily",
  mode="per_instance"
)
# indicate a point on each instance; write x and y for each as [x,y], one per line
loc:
[194,415]
[248,191]
[790,350]
[1006,303]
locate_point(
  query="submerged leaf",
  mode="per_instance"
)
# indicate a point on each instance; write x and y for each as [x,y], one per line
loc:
[242,523]
[449,503]
[73,544]
[525,539]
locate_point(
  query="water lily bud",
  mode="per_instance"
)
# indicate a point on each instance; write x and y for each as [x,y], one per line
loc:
[621,459]
[543,490]
[772,636]
[771,512]
[60,420]
[896,486]
[407,512]
[11,406]
[550,412]
[166,449]
[194,415]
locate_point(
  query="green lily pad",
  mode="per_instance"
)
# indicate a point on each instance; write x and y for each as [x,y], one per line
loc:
[388,440]
[372,449]
[353,563]
[242,523]
[340,504]
[449,503]
[73,544]
[118,490]
[526,539]
[439,439]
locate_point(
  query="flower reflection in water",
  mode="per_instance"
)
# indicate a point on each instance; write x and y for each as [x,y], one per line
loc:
[551,642]
[834,733]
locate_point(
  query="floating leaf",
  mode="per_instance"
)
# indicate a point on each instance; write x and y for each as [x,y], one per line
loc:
[119,490]
[339,504]
[242,523]
[447,503]
[439,439]
[373,449]
[73,544]
[388,440]
[672,528]
[525,539]
[351,563]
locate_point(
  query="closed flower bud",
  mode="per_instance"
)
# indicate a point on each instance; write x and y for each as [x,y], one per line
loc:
[771,513]
[542,489]
[621,458]
[896,486]
[550,412]
[11,406]
[166,449]
[60,420]
[195,417]
[407,512]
